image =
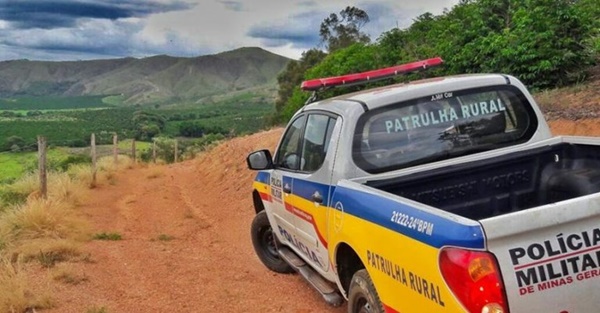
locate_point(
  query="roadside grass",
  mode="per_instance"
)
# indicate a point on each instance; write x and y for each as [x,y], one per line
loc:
[66,275]
[60,187]
[15,293]
[41,218]
[45,233]
[83,174]
[107,236]
[108,165]
[49,252]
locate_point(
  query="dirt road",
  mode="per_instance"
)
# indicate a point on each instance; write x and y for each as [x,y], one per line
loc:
[186,244]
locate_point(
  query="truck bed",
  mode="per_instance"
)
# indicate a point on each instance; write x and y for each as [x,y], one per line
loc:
[513,182]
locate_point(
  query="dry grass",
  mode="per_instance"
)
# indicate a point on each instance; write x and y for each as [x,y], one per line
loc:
[49,252]
[83,174]
[108,164]
[15,295]
[23,187]
[40,218]
[65,274]
[46,231]
[60,187]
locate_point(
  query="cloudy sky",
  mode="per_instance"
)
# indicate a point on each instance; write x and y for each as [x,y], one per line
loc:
[91,29]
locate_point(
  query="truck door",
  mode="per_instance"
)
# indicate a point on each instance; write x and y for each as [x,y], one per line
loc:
[281,182]
[311,187]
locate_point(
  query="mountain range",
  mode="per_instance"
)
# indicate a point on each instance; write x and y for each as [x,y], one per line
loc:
[156,79]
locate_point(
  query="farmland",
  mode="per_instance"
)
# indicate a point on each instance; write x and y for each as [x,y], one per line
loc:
[55,103]
[71,123]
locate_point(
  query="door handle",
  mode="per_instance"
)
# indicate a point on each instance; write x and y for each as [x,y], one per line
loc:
[287,189]
[317,197]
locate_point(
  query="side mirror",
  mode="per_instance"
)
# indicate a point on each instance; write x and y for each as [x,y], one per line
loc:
[260,160]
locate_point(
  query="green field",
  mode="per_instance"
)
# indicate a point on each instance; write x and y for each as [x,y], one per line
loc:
[13,165]
[54,103]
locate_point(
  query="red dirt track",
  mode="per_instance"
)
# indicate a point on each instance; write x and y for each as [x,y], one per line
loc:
[209,265]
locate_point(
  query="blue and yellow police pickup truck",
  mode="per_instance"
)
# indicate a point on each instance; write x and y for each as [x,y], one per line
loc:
[440,195]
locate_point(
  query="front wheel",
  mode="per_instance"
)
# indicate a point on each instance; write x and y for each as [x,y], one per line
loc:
[265,244]
[362,297]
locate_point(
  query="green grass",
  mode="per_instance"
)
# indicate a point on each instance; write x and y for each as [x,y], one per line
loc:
[14,165]
[125,145]
[11,165]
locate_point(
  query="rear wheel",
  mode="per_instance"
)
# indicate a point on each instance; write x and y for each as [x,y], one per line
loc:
[265,244]
[362,297]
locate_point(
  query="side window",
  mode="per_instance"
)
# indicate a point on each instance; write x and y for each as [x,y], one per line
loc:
[316,140]
[288,155]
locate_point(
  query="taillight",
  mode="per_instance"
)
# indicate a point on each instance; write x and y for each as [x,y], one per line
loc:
[475,280]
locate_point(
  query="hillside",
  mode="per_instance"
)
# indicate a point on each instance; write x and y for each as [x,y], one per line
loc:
[148,80]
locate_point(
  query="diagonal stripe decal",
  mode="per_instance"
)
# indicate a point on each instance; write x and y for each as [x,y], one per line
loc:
[307,217]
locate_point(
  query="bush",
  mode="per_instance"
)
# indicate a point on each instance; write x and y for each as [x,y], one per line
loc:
[73,159]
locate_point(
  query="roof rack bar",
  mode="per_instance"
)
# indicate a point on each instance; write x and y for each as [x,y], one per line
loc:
[369,76]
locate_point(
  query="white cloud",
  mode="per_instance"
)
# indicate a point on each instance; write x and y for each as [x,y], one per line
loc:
[286,27]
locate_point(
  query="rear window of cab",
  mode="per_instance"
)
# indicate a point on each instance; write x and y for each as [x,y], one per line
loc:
[442,126]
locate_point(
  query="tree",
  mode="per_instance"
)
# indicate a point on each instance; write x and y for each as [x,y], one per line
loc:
[343,30]
[147,125]
[542,43]
[336,32]
[291,78]
[190,129]
[15,144]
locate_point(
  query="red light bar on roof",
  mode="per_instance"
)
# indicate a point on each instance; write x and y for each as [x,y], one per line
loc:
[370,76]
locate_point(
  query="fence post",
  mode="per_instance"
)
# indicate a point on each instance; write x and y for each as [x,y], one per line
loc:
[176,154]
[154,151]
[42,166]
[133,152]
[116,149]
[94,158]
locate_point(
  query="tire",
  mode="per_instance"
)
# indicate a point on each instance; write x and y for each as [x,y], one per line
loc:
[362,297]
[265,244]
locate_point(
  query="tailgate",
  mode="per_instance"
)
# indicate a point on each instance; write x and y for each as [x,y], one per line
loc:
[550,256]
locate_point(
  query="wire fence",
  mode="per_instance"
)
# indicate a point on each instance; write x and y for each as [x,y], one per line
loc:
[42,145]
